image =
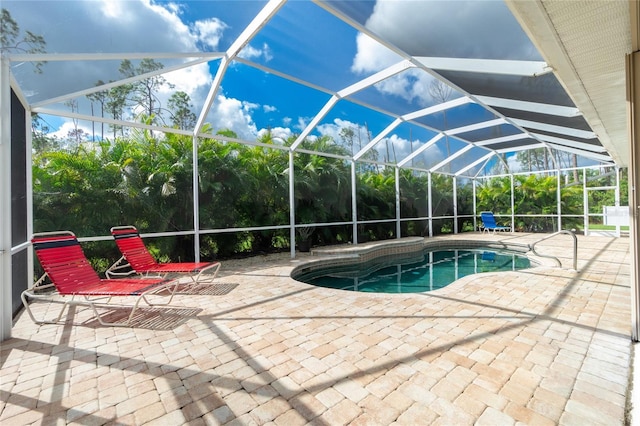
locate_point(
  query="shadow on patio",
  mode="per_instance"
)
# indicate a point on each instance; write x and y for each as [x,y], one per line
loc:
[541,346]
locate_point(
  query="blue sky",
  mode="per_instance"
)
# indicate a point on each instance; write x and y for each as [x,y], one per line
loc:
[138,26]
[302,40]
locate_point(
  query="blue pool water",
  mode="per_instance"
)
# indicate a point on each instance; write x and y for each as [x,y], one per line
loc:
[427,271]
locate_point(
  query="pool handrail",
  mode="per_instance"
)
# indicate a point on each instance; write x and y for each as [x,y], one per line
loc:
[575,247]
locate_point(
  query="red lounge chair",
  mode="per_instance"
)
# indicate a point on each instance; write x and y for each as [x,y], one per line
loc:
[136,259]
[70,279]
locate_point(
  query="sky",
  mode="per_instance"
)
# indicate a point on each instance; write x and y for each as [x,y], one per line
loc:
[302,40]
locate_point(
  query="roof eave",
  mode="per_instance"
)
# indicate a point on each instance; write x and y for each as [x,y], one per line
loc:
[604,108]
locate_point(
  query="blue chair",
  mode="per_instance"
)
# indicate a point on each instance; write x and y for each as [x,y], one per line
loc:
[489,223]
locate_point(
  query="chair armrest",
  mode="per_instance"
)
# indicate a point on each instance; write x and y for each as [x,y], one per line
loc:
[211,270]
[121,268]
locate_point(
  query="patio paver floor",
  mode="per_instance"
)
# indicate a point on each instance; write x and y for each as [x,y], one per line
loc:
[540,346]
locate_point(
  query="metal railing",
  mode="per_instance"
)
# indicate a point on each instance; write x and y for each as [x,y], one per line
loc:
[575,248]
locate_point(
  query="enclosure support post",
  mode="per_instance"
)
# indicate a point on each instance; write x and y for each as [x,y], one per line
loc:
[6,284]
[354,202]
[633,108]
[617,198]
[292,208]
[196,200]
[475,206]
[29,160]
[398,228]
[559,200]
[430,205]
[585,202]
[513,206]
[455,205]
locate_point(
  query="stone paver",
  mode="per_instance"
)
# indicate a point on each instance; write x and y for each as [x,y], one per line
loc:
[540,346]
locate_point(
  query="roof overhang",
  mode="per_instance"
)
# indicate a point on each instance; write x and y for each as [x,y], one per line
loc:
[588,57]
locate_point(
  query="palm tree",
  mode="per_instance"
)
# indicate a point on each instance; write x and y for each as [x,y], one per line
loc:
[322,186]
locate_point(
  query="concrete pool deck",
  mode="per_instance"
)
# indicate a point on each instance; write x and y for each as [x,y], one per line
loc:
[540,346]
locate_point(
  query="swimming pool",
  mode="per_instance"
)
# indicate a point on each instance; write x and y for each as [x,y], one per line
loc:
[414,273]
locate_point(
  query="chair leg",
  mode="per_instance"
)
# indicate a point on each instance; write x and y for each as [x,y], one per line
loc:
[172,287]
[27,307]
[127,323]
[207,277]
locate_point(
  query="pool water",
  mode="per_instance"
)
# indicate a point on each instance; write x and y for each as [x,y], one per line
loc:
[427,271]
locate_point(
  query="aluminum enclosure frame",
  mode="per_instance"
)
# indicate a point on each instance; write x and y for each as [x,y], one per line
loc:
[446,70]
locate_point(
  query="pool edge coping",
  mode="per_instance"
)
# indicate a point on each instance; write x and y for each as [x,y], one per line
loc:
[361,253]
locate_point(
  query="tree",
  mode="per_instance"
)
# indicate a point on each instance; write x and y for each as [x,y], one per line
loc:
[144,91]
[101,98]
[413,201]
[74,133]
[266,190]
[347,134]
[77,135]
[116,101]
[495,195]
[181,115]
[10,39]
[534,159]
[70,189]
[322,184]
[40,140]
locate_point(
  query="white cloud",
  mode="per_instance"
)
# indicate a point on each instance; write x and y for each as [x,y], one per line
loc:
[392,148]
[333,129]
[194,81]
[117,26]
[399,148]
[113,9]
[175,8]
[230,113]
[252,53]
[302,124]
[475,29]
[108,26]
[360,137]
[371,56]
[96,26]
[62,133]
[434,29]
[278,134]
[412,86]
[209,32]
